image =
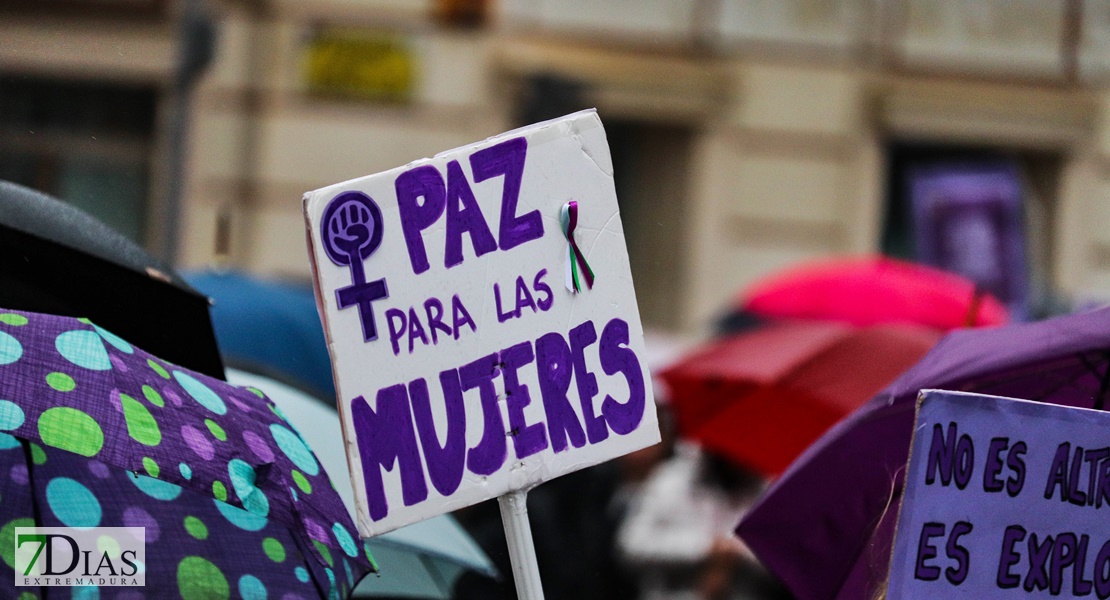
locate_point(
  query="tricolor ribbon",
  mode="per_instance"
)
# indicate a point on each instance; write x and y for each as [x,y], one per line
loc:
[576,261]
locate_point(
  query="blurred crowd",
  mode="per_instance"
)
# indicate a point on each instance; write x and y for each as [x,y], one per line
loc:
[794,354]
[655,524]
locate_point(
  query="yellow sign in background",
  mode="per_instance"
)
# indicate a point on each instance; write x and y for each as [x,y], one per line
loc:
[359,64]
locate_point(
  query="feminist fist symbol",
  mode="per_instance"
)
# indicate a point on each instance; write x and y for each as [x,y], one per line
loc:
[352,231]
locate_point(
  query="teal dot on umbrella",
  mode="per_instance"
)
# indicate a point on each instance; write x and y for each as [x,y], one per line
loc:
[243,519]
[257,502]
[201,393]
[302,574]
[242,478]
[10,349]
[332,592]
[73,503]
[241,475]
[7,442]
[251,588]
[291,444]
[86,593]
[84,349]
[346,542]
[186,471]
[11,416]
[115,340]
[156,488]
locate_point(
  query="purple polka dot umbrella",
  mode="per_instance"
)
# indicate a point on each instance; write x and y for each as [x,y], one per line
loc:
[95,432]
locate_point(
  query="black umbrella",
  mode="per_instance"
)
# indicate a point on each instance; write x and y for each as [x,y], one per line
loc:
[57,259]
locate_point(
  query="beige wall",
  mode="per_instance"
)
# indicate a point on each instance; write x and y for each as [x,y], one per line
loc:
[111,51]
[784,161]
[261,141]
[785,176]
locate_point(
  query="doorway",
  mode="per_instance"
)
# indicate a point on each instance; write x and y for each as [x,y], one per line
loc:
[651,171]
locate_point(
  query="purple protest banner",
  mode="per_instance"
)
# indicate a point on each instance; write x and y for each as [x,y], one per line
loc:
[969,219]
[1004,498]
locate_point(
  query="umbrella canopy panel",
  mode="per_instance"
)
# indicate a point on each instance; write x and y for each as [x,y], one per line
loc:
[422,560]
[196,547]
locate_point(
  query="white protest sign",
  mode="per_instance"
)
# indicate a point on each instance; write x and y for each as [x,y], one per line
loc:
[466,367]
[1004,498]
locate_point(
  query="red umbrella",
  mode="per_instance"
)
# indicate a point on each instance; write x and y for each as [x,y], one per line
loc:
[873,289]
[761,397]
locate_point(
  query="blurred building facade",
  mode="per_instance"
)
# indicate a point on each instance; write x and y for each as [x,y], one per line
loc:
[747,134]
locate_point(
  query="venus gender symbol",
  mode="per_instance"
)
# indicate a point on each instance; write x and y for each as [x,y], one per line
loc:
[352,231]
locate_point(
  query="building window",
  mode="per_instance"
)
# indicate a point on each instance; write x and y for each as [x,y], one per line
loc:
[88,143]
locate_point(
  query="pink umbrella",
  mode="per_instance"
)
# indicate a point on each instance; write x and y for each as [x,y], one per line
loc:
[870,290]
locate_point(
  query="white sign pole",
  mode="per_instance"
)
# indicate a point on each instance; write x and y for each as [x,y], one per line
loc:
[522,552]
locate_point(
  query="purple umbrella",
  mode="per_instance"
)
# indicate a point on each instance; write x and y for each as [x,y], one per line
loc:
[825,526]
[97,432]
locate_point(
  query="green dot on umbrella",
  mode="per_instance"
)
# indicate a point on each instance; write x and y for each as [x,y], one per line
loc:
[61,382]
[13,319]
